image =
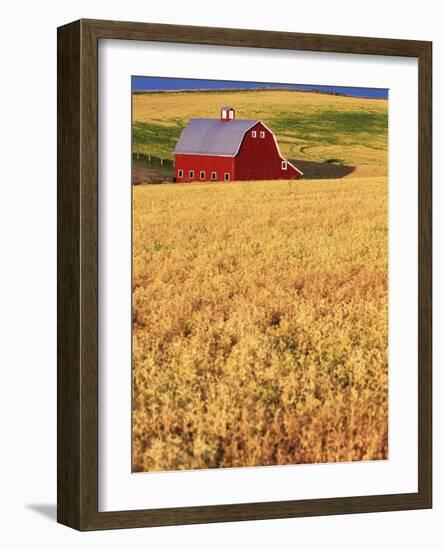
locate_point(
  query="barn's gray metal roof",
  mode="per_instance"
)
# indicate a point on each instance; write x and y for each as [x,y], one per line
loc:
[211,136]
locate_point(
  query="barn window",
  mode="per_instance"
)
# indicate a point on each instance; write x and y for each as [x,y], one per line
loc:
[202,175]
[284,164]
[213,176]
[262,135]
[191,174]
[180,173]
[254,134]
[227,176]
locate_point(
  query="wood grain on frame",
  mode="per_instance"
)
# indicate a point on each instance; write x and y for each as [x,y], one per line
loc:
[77,316]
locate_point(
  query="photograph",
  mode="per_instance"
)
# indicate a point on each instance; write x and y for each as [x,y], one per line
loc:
[259,274]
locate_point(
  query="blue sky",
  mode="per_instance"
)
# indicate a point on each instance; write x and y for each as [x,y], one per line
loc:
[159,83]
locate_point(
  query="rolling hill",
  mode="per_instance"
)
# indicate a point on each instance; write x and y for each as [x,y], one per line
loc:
[325,135]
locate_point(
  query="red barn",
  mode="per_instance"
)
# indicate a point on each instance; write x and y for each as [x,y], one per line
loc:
[227,149]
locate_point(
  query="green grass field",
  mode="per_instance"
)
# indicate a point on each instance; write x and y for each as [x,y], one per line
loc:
[324,135]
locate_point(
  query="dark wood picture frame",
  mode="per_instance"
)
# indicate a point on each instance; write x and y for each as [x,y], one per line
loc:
[77,456]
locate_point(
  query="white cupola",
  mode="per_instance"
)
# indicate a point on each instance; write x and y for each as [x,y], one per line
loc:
[227,113]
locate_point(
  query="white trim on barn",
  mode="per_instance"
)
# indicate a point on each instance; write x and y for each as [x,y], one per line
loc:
[278,149]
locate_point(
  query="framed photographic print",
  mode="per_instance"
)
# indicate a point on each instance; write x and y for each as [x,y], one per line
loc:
[244,275]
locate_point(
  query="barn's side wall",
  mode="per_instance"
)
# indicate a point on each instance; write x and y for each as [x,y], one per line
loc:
[259,159]
[205,163]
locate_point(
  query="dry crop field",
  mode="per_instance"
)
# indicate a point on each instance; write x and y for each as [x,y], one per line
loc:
[260,321]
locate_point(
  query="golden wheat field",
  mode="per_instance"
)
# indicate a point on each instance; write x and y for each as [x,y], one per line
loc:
[259,323]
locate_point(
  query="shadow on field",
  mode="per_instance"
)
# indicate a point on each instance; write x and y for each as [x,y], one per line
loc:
[330,169]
